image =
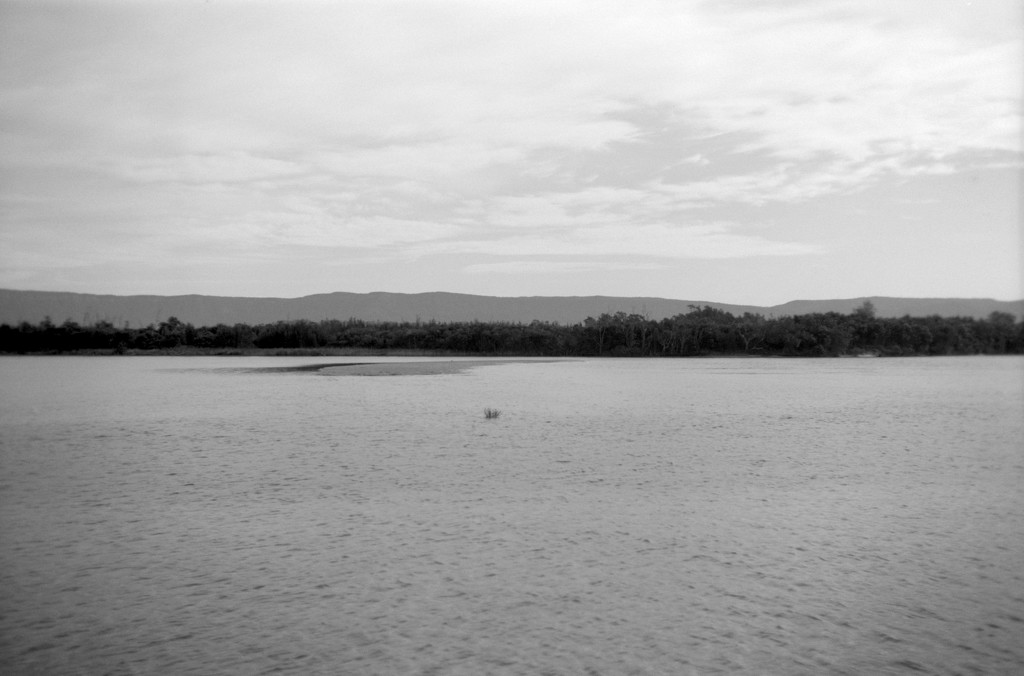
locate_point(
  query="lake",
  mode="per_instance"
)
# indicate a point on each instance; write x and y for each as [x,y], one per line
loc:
[226,515]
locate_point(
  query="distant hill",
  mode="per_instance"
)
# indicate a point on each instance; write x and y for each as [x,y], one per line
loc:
[136,311]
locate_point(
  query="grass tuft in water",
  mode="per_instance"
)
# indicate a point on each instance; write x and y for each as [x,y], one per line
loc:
[491,413]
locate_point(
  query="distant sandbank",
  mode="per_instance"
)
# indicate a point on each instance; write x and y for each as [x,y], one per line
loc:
[397,368]
[417,368]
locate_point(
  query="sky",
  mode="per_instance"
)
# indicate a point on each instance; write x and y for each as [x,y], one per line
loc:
[736,151]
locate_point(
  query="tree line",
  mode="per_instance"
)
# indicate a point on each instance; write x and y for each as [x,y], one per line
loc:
[703,331]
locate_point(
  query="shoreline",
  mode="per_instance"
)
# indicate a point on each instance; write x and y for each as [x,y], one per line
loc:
[433,354]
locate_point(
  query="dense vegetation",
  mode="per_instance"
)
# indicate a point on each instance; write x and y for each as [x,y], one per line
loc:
[702,331]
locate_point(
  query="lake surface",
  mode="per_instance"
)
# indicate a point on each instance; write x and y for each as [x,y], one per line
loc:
[708,516]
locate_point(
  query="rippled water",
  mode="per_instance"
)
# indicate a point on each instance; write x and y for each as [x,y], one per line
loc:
[185,515]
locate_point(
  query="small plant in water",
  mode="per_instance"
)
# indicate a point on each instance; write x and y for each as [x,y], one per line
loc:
[491,413]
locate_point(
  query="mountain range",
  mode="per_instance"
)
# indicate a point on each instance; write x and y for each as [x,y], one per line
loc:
[137,311]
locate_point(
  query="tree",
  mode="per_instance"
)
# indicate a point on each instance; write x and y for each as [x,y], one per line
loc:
[172,332]
[751,330]
[866,311]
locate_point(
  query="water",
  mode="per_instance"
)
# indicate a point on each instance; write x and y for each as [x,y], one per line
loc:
[186,515]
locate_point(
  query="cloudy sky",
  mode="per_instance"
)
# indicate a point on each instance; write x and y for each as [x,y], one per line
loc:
[744,151]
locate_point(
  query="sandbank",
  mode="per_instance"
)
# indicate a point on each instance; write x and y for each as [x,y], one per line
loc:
[413,368]
[389,368]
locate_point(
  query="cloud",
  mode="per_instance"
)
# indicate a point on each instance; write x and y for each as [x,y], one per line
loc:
[802,77]
[664,241]
[231,167]
[579,129]
[541,267]
[359,233]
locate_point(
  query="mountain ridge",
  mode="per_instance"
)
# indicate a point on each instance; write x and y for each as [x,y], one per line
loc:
[379,306]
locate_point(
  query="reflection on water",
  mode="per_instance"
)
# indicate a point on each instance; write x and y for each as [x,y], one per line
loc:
[162,515]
